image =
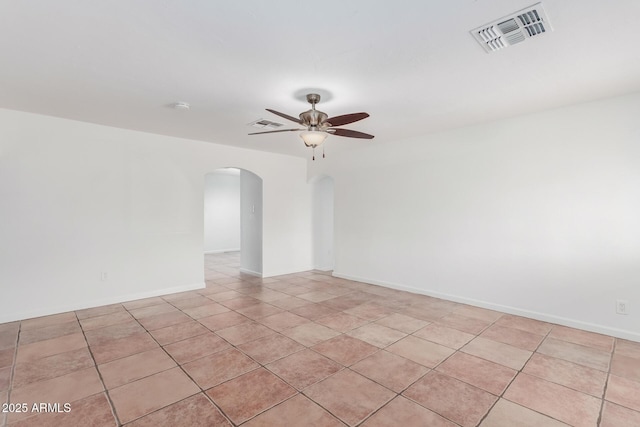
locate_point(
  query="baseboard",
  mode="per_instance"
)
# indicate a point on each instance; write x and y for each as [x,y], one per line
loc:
[100,302]
[250,272]
[545,317]
[221,251]
[284,273]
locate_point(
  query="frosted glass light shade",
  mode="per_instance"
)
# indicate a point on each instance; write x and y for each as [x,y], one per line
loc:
[313,138]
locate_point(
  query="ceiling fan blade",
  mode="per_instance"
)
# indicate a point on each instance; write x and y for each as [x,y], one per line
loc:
[350,133]
[275,131]
[346,119]
[285,116]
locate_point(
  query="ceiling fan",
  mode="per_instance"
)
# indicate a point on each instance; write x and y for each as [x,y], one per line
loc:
[319,125]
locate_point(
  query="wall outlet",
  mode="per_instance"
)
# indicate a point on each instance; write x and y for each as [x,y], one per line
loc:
[622,306]
[104,276]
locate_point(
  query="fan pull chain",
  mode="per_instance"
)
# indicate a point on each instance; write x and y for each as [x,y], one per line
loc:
[314,153]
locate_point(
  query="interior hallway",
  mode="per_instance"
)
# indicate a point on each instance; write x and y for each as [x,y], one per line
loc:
[308,349]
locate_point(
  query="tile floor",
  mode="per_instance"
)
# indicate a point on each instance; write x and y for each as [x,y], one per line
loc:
[308,349]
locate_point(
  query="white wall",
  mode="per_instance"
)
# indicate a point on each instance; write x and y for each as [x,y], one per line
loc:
[537,215]
[77,199]
[222,211]
[322,223]
[251,223]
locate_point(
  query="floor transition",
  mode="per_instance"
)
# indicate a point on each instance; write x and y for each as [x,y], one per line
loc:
[308,349]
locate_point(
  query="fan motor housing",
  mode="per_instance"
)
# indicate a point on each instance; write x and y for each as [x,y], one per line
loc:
[313,117]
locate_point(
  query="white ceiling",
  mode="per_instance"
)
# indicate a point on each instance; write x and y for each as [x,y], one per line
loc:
[411,64]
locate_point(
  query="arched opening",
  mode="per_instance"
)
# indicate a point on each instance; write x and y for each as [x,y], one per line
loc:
[233,221]
[322,222]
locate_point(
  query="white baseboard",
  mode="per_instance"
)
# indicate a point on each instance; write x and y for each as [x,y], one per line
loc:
[99,302]
[545,317]
[221,251]
[251,272]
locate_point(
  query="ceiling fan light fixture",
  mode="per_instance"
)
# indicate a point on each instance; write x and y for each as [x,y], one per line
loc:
[313,138]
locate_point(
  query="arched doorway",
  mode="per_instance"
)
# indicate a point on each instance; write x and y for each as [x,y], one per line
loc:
[233,220]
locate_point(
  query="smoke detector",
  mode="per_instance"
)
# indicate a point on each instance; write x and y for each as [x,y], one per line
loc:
[180,106]
[513,29]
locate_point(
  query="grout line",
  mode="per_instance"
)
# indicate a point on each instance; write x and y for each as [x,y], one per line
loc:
[5,418]
[606,383]
[518,372]
[95,364]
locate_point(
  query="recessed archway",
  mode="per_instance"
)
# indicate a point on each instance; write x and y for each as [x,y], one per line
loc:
[233,216]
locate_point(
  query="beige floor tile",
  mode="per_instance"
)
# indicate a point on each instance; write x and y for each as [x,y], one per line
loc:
[223,321]
[115,349]
[577,377]
[51,367]
[178,332]
[314,311]
[205,310]
[246,396]
[504,354]
[194,411]
[420,351]
[304,368]
[48,332]
[623,392]
[345,349]
[132,368]
[626,367]
[38,350]
[390,370]
[506,414]
[93,411]
[45,321]
[271,348]
[515,337]
[214,369]
[455,400]
[478,372]
[163,320]
[281,321]
[377,335]
[569,406]
[310,334]
[443,335]
[97,322]
[586,356]
[63,389]
[196,347]
[108,333]
[349,396]
[245,332]
[627,348]
[469,325]
[525,324]
[402,323]
[139,398]
[292,411]
[405,413]
[617,416]
[587,339]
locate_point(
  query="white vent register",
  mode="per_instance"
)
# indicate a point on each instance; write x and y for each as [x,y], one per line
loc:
[513,29]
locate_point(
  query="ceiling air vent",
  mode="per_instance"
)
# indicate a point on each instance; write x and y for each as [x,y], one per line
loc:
[513,29]
[265,124]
